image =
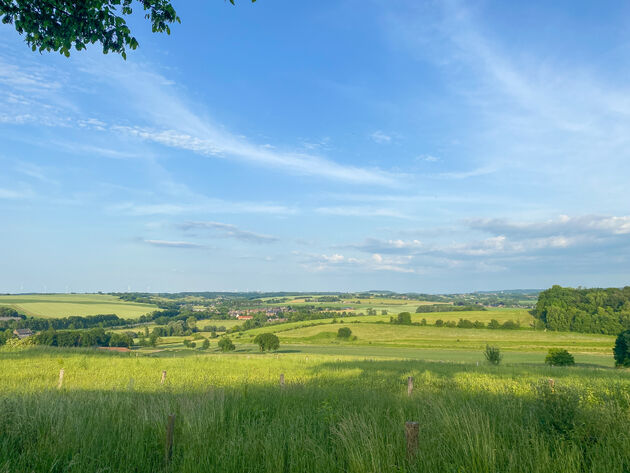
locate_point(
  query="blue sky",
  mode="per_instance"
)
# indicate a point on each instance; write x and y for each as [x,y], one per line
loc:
[342,145]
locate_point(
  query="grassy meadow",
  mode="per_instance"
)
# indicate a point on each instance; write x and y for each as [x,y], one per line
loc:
[65,305]
[343,407]
[336,413]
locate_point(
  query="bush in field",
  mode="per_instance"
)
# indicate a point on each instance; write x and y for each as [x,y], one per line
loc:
[494,324]
[439,323]
[451,324]
[493,355]
[423,322]
[478,324]
[267,341]
[559,357]
[344,332]
[465,323]
[622,349]
[404,318]
[225,344]
[206,344]
[510,325]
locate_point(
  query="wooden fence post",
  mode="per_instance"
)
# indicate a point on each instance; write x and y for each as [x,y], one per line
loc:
[170,428]
[61,373]
[282,379]
[411,433]
[163,377]
[409,385]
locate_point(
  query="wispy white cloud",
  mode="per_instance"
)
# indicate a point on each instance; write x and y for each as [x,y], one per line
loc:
[36,172]
[174,244]
[16,194]
[428,158]
[362,211]
[209,205]
[218,143]
[380,137]
[226,230]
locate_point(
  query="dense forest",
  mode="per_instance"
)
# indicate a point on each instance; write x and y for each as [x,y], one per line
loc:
[584,310]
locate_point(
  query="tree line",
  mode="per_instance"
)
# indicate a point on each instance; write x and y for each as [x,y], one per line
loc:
[597,310]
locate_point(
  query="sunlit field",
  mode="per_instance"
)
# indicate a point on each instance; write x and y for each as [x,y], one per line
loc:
[335,413]
[64,305]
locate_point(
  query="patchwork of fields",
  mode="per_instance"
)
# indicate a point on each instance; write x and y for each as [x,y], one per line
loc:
[343,406]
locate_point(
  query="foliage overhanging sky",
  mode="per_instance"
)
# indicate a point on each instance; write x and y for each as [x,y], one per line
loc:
[414,146]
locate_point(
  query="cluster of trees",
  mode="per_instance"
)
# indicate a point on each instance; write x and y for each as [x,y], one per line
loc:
[96,337]
[10,312]
[584,310]
[492,325]
[447,308]
[404,318]
[69,323]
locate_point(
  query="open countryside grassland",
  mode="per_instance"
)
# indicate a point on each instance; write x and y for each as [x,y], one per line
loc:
[392,306]
[335,414]
[65,305]
[501,315]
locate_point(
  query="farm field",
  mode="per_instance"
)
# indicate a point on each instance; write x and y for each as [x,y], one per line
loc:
[443,337]
[393,306]
[501,315]
[65,305]
[336,413]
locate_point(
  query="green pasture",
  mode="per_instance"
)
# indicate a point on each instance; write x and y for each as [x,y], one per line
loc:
[336,413]
[450,338]
[393,306]
[65,305]
[502,315]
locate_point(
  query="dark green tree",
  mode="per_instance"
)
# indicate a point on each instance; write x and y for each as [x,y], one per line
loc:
[559,357]
[60,25]
[622,349]
[225,345]
[267,341]
[344,332]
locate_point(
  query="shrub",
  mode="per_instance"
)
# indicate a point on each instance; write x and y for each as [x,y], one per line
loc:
[465,323]
[439,323]
[622,349]
[225,344]
[493,355]
[478,324]
[559,357]
[510,325]
[423,322]
[404,318]
[451,324]
[206,344]
[344,332]
[267,341]
[494,324]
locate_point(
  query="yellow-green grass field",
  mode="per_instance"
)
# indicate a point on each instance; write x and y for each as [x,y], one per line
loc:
[64,305]
[335,414]
[393,306]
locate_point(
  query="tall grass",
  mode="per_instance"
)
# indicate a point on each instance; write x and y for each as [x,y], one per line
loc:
[335,414]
